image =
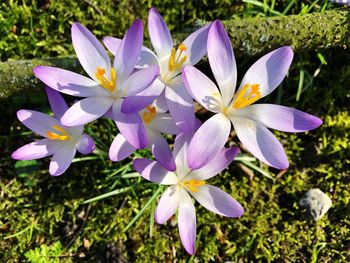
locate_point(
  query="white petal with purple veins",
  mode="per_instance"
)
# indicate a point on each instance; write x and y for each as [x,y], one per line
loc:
[217,201]
[260,142]
[35,150]
[222,61]
[89,50]
[280,117]
[120,148]
[167,205]
[187,222]
[159,34]
[154,172]
[69,82]
[208,141]
[61,159]
[86,110]
[202,89]
[269,71]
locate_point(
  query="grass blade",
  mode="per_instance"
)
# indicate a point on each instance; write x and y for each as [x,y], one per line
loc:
[139,214]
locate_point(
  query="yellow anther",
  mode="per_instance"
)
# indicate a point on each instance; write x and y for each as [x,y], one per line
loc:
[182,47]
[175,63]
[149,115]
[193,184]
[249,94]
[62,134]
[104,82]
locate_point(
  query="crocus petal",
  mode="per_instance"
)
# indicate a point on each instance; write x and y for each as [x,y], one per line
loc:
[57,103]
[85,144]
[131,126]
[196,44]
[139,101]
[260,142]
[222,61]
[147,56]
[216,165]
[38,122]
[128,52]
[280,117]
[202,89]
[89,50]
[181,108]
[269,71]
[160,102]
[34,150]
[163,123]
[159,34]
[112,44]
[154,172]
[187,222]
[68,82]
[208,141]
[120,148]
[217,201]
[180,154]
[86,110]
[167,205]
[61,159]
[161,151]
[139,80]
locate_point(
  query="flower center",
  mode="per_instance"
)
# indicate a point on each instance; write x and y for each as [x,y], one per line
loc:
[249,94]
[62,134]
[104,82]
[193,184]
[175,62]
[149,115]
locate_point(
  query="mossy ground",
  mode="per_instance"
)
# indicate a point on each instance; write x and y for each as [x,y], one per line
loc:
[43,219]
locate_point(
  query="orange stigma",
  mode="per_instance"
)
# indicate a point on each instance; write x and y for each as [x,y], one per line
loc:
[149,115]
[104,82]
[249,94]
[62,134]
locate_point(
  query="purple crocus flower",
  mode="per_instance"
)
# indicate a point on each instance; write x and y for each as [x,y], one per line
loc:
[342,2]
[107,86]
[185,182]
[249,121]
[171,61]
[156,122]
[60,141]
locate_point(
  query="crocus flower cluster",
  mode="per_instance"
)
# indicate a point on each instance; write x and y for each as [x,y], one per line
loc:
[150,94]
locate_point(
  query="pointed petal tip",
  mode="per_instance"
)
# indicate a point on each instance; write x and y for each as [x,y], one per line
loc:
[23,115]
[15,155]
[154,10]
[190,250]
[137,24]
[235,151]
[317,122]
[138,165]
[86,144]
[37,70]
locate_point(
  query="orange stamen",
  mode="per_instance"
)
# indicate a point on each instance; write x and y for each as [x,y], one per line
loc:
[62,134]
[104,82]
[175,64]
[150,114]
[249,94]
[193,184]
